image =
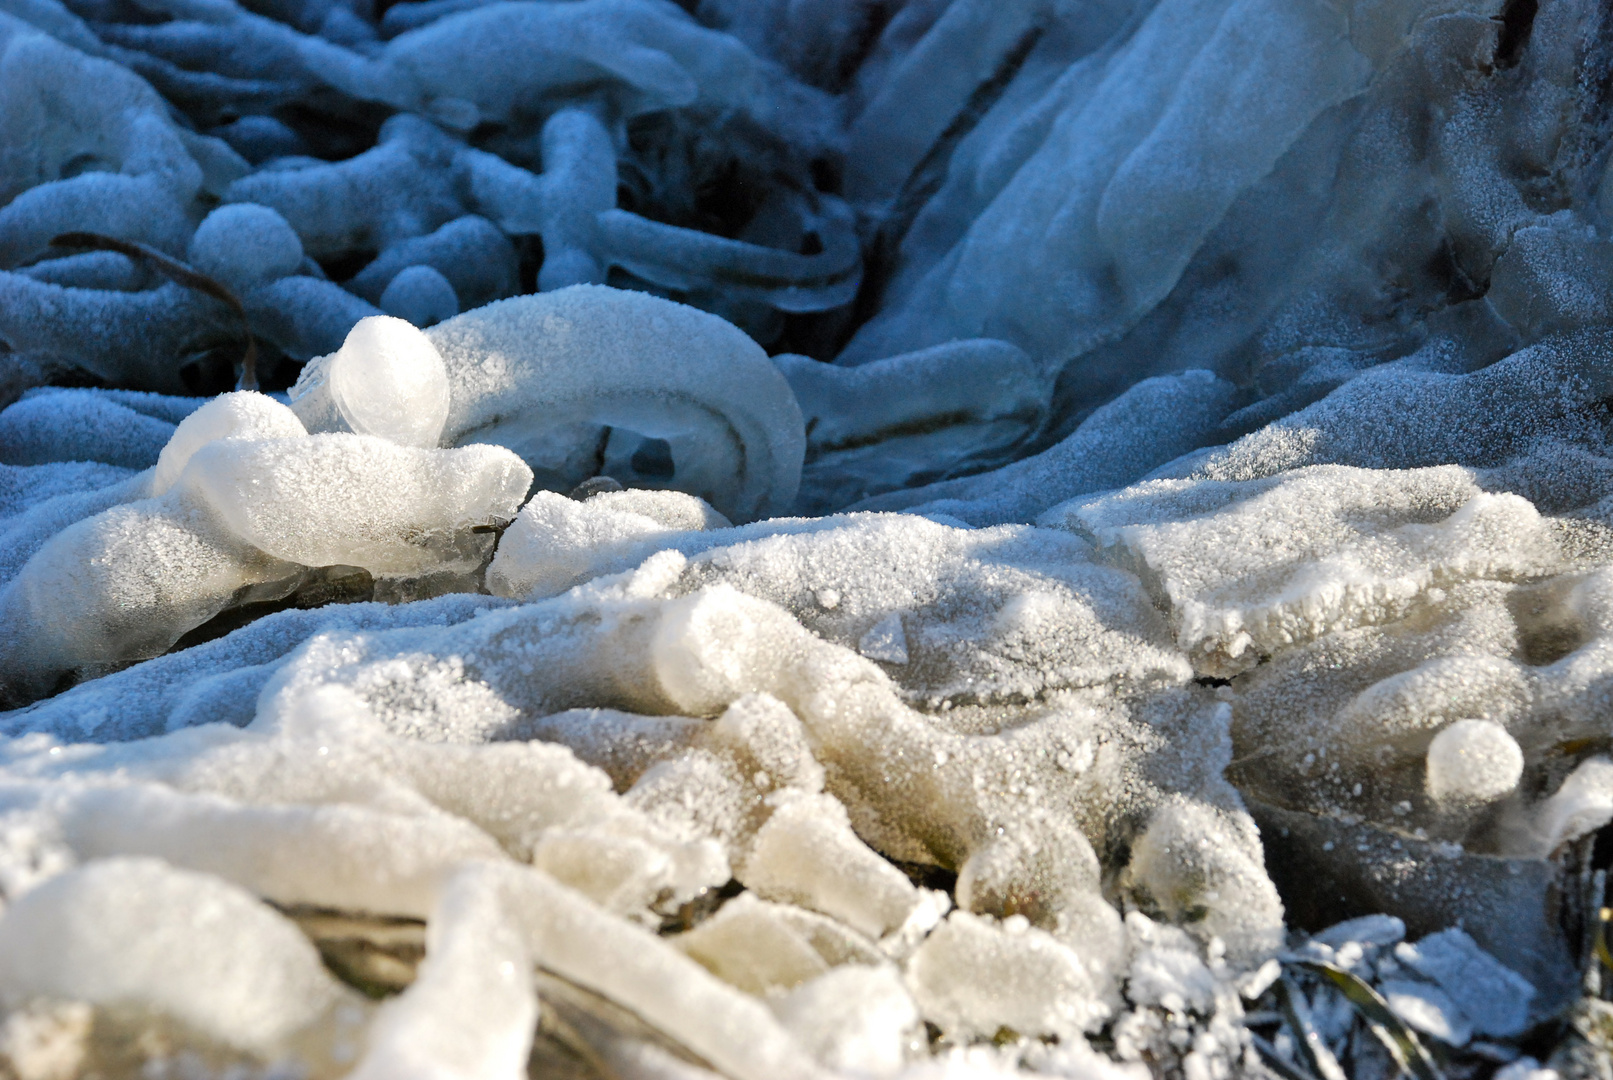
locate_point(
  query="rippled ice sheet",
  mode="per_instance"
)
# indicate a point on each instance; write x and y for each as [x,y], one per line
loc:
[796,539]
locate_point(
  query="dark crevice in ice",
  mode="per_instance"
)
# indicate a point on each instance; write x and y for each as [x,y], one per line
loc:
[1517,23]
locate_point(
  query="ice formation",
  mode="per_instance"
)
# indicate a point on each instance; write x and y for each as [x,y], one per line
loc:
[589,381]
[805,538]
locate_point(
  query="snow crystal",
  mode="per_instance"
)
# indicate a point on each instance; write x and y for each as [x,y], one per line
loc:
[1494,997]
[1473,760]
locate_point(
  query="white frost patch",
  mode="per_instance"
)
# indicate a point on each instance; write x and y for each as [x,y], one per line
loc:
[1251,567]
[1490,994]
[885,641]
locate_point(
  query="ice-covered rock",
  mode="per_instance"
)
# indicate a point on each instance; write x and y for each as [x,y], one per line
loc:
[354,500]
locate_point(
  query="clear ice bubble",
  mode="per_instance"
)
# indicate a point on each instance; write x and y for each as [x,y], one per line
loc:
[386,380]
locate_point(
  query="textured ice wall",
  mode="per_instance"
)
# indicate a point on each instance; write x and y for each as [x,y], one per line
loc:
[1213,455]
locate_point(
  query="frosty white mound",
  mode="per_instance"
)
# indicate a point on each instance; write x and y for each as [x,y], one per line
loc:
[661,710]
[367,783]
[244,505]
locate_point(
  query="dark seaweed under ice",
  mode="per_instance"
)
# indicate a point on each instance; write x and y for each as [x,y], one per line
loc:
[788,538]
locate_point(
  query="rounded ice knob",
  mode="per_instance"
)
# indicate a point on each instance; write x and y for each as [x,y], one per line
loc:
[245,245]
[387,380]
[241,415]
[1473,761]
[421,296]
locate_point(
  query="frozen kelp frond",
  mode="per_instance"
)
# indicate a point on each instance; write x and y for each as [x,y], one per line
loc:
[1202,667]
[541,85]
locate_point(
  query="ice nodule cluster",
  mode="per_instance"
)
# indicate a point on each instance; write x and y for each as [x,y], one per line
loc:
[241,505]
[793,539]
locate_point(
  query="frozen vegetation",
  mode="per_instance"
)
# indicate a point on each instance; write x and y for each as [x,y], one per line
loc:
[788,539]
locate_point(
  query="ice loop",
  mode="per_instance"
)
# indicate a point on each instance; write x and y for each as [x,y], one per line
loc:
[805,538]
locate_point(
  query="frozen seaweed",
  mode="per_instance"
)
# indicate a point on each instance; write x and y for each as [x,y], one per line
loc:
[591,381]
[206,952]
[1240,369]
